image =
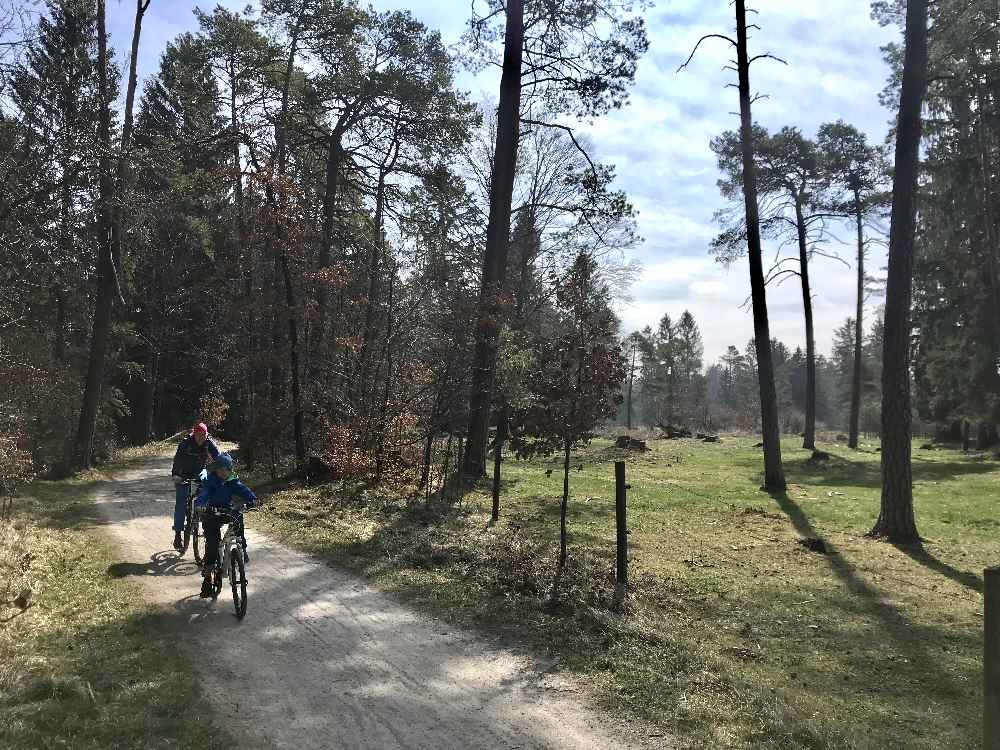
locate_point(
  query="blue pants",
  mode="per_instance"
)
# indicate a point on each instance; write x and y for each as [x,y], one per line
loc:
[180,507]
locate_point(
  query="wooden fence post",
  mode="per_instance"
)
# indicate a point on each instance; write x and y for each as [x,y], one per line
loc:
[991,659]
[621,573]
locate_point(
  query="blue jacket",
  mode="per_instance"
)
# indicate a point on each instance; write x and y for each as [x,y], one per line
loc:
[216,493]
[191,458]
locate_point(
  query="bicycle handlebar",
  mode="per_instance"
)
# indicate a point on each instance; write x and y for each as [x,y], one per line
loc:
[225,512]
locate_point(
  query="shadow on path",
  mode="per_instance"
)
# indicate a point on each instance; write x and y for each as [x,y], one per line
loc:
[164,563]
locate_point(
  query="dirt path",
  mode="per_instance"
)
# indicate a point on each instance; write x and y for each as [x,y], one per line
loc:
[323,660]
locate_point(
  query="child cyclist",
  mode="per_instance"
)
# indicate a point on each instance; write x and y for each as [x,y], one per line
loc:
[223,491]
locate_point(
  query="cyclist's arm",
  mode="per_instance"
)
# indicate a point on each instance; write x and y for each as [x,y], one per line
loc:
[177,457]
[212,448]
[245,494]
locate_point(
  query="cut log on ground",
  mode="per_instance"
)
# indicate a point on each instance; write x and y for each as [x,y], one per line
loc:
[628,443]
[673,433]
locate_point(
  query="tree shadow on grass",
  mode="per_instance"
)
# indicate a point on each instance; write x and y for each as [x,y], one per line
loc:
[919,554]
[908,636]
[840,471]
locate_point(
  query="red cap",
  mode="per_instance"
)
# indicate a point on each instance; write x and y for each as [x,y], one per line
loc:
[200,427]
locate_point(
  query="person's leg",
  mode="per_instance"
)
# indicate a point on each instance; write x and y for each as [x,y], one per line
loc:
[180,507]
[180,511]
[211,527]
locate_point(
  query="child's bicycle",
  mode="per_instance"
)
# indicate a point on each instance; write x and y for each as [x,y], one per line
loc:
[232,559]
[192,535]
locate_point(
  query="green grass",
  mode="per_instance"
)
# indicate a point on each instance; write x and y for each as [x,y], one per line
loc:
[88,664]
[736,635]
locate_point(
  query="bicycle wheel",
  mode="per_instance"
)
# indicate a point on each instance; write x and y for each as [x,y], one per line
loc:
[238,580]
[196,540]
[186,538]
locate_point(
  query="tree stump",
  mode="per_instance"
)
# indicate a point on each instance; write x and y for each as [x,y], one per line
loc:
[317,470]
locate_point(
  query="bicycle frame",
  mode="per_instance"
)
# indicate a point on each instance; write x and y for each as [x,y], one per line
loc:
[232,539]
[229,541]
[193,485]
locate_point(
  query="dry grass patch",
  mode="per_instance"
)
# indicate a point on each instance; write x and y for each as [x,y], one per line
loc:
[86,664]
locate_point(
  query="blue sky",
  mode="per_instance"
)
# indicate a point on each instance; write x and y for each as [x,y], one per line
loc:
[659,142]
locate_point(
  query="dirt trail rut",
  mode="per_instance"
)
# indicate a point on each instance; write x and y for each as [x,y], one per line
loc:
[323,660]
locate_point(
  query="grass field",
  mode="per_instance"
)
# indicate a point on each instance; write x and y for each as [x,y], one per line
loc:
[87,664]
[736,635]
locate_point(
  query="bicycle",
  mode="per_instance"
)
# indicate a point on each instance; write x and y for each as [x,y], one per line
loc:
[191,525]
[232,559]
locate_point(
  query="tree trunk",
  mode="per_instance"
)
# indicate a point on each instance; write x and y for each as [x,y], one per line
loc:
[497,244]
[240,216]
[425,469]
[293,328]
[148,415]
[122,170]
[497,461]
[774,472]
[670,396]
[966,438]
[383,424]
[276,373]
[628,400]
[293,356]
[991,334]
[59,353]
[986,436]
[374,260]
[809,440]
[564,506]
[66,247]
[444,471]
[245,263]
[101,332]
[333,158]
[896,521]
[859,356]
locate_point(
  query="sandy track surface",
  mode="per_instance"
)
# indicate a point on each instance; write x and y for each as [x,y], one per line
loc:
[323,660]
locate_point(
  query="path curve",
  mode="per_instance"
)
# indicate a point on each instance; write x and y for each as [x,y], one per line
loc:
[323,660]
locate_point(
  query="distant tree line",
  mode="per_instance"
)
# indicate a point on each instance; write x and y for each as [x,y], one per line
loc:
[672,387]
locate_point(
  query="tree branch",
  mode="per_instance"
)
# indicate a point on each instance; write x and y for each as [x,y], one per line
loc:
[696,46]
[569,130]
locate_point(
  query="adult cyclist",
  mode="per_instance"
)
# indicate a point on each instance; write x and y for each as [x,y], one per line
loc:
[192,456]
